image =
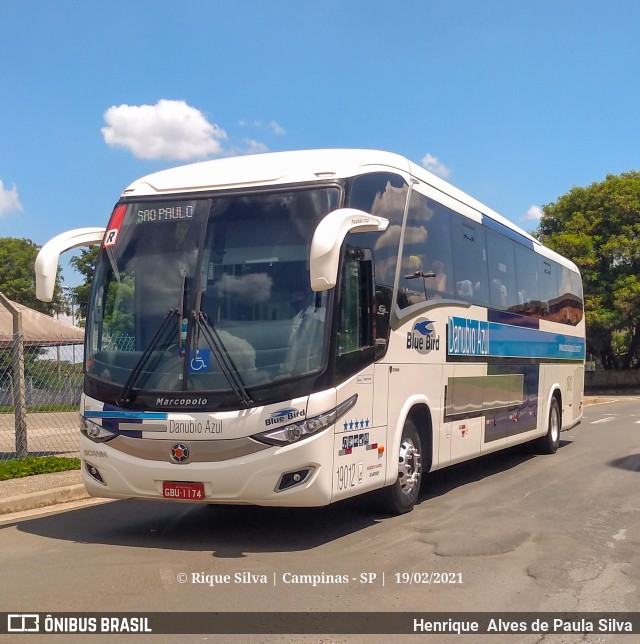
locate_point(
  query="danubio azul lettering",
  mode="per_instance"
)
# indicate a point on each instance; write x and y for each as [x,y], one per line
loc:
[211,426]
[185,427]
[468,337]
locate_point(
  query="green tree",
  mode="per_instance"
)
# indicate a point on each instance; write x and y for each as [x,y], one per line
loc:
[85,264]
[18,277]
[598,227]
[119,308]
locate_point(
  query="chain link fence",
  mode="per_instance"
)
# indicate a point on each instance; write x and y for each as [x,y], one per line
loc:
[40,388]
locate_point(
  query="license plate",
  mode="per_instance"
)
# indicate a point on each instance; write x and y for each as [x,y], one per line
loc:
[183,491]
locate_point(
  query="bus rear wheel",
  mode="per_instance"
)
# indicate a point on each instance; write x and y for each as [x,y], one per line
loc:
[549,443]
[400,497]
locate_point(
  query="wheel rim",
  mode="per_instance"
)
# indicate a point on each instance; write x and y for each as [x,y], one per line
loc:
[554,424]
[409,466]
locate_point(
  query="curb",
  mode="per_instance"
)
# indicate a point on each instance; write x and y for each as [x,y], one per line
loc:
[35,500]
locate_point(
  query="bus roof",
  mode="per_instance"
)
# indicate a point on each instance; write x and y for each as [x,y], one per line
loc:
[270,168]
[276,168]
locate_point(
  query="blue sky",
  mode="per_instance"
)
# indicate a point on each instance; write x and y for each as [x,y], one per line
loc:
[512,101]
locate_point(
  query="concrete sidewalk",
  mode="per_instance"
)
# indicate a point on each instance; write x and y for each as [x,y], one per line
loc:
[42,490]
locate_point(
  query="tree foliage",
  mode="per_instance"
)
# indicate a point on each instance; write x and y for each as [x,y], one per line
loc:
[18,277]
[85,264]
[598,227]
[120,300]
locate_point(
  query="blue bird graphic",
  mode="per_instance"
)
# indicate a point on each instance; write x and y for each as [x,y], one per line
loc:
[421,327]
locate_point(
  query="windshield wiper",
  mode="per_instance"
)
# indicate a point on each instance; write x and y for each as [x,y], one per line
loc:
[227,366]
[125,396]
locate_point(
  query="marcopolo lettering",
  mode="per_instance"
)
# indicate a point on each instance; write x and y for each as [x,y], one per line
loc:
[181,402]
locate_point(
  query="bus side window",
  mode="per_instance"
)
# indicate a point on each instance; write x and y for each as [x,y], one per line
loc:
[426,263]
[469,250]
[502,273]
[571,302]
[527,281]
[355,341]
[548,287]
[576,290]
[355,330]
[382,194]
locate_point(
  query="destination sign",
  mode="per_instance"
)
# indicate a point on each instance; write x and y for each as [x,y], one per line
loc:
[164,212]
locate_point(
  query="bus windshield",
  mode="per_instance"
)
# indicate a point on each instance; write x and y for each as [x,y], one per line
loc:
[208,294]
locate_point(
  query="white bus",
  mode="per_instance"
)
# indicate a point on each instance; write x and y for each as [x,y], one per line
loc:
[296,328]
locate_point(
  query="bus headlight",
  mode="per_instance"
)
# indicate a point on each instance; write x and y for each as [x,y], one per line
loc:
[95,432]
[294,432]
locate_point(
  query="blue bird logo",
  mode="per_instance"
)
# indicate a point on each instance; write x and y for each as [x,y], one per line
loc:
[281,413]
[422,327]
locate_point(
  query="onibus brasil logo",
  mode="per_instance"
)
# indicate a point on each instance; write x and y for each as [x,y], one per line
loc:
[423,337]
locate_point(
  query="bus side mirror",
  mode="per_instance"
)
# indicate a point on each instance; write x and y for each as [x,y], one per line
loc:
[327,241]
[47,260]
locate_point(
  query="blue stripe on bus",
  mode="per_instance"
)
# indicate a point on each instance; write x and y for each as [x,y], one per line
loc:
[506,231]
[127,415]
[478,338]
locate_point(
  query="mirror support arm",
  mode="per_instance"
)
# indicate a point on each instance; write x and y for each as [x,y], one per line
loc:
[328,238]
[47,260]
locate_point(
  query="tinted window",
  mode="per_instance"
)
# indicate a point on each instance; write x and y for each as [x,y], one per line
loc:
[469,249]
[502,274]
[569,305]
[242,260]
[548,287]
[426,270]
[354,331]
[383,195]
[527,281]
[576,289]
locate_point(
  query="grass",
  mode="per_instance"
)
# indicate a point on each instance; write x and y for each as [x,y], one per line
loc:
[19,467]
[9,409]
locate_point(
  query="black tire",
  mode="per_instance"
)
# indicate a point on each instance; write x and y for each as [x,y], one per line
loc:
[549,443]
[400,497]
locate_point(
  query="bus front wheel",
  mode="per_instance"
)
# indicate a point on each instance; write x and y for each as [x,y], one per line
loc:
[400,497]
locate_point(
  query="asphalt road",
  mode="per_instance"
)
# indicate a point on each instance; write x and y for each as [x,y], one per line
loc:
[513,532]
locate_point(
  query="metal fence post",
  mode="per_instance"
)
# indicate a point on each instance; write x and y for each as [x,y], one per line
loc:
[19,389]
[19,384]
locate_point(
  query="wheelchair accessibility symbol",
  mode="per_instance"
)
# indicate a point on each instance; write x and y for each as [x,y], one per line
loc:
[199,360]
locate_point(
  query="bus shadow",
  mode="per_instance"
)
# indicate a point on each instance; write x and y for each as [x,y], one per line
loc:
[226,531]
[441,482]
[630,462]
[233,532]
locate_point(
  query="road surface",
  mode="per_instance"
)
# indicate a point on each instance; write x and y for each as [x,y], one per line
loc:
[507,532]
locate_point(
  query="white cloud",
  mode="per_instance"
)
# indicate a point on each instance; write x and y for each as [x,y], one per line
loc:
[169,130]
[276,128]
[533,214]
[433,164]
[9,200]
[255,147]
